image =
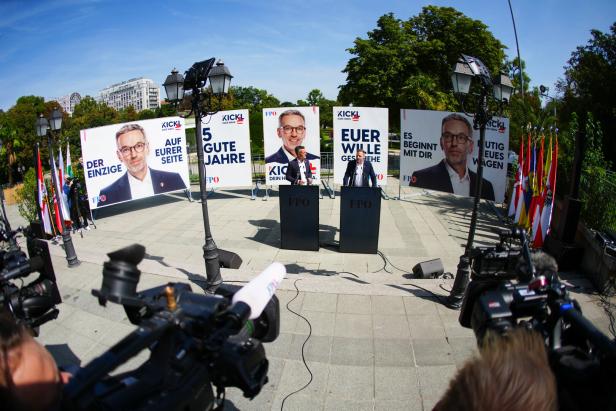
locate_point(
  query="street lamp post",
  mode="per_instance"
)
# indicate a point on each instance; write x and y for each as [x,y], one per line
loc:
[543,91]
[194,80]
[43,129]
[500,90]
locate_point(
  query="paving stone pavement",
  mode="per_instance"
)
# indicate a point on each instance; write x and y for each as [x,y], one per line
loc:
[373,337]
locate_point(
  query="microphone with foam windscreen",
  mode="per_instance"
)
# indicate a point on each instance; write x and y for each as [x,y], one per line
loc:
[257,293]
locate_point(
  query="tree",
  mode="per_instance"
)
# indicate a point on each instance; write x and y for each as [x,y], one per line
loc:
[513,69]
[590,85]
[19,132]
[314,97]
[407,64]
[255,100]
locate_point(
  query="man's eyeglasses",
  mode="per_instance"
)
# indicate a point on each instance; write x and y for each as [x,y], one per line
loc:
[289,129]
[458,138]
[126,150]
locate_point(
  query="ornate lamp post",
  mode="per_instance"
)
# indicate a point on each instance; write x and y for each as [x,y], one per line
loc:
[43,129]
[467,69]
[194,80]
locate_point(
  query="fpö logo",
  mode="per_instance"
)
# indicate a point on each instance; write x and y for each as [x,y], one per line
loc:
[233,118]
[348,115]
[496,124]
[270,114]
[211,180]
[172,125]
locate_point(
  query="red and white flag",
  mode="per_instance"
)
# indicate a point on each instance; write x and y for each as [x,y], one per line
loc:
[41,191]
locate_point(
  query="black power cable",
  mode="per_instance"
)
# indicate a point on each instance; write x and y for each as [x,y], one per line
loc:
[303,345]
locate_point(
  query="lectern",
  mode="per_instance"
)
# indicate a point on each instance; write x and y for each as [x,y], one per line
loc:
[360,217]
[299,217]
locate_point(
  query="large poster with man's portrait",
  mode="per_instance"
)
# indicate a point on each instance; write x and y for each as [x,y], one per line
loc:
[362,129]
[226,149]
[128,161]
[284,130]
[439,151]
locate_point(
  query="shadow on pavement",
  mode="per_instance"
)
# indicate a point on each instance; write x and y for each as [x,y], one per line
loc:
[135,205]
[196,279]
[63,355]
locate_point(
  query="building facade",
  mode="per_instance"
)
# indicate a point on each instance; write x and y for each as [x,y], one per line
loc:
[141,93]
[69,102]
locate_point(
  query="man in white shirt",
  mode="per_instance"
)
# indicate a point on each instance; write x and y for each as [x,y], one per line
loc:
[452,174]
[298,169]
[140,180]
[359,172]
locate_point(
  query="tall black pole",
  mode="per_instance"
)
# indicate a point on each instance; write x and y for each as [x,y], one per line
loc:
[454,300]
[69,249]
[210,251]
[517,45]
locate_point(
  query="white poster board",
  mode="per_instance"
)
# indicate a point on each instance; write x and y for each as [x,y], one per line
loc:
[226,149]
[155,147]
[279,145]
[422,151]
[361,127]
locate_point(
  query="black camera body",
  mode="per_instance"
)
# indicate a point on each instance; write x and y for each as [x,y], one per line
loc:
[32,303]
[529,294]
[196,342]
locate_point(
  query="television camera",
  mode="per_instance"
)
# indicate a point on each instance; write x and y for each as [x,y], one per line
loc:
[31,302]
[196,341]
[512,287]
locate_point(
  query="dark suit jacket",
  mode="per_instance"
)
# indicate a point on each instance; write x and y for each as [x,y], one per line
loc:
[437,178]
[293,174]
[280,157]
[367,171]
[119,190]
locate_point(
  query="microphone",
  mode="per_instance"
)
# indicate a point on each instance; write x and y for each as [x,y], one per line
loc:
[257,293]
[34,264]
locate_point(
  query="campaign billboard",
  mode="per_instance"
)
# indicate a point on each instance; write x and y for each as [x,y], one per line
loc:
[439,151]
[285,128]
[128,161]
[365,128]
[226,149]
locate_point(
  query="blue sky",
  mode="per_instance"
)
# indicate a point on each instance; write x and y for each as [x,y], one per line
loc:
[52,48]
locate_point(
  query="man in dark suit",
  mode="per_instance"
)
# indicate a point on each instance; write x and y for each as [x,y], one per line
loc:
[292,131]
[140,180]
[298,169]
[452,174]
[359,172]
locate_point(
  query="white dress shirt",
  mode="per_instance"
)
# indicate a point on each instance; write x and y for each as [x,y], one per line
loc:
[141,189]
[359,170]
[302,171]
[461,186]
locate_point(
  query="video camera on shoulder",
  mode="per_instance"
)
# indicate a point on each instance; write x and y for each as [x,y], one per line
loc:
[31,301]
[529,294]
[196,342]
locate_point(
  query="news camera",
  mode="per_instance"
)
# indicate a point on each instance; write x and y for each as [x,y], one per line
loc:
[512,287]
[196,342]
[30,301]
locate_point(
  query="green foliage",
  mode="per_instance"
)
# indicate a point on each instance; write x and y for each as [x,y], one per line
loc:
[407,64]
[590,85]
[18,132]
[597,185]
[524,110]
[513,68]
[26,197]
